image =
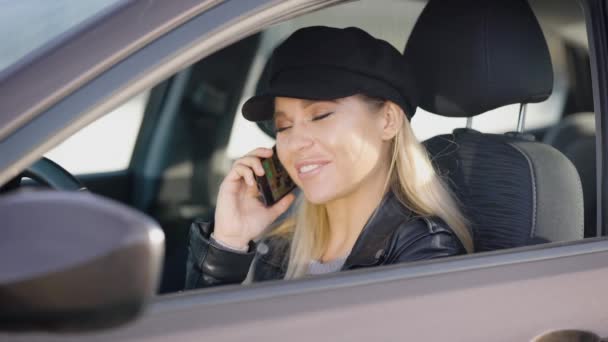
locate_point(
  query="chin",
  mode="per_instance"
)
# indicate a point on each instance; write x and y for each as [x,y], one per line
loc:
[318,196]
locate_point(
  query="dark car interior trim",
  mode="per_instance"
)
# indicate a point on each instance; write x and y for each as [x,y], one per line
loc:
[595,14]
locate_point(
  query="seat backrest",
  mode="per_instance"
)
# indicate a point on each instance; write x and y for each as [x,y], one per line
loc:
[574,136]
[514,191]
[472,56]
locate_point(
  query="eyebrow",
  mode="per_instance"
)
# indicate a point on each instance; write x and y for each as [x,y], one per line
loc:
[307,103]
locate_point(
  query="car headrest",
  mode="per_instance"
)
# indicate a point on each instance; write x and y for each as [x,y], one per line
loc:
[472,56]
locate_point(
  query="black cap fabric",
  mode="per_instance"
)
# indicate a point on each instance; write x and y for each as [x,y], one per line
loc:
[325,63]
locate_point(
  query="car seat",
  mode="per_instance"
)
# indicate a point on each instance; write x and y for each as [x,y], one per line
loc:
[473,56]
[574,136]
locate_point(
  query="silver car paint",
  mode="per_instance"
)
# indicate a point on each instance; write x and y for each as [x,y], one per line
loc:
[501,296]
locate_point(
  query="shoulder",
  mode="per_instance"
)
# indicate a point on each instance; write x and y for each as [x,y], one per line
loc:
[423,237]
[415,226]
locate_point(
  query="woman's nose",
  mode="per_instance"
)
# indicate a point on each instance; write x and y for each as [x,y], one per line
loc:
[300,137]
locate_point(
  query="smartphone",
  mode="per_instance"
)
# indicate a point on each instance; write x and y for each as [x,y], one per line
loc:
[275,183]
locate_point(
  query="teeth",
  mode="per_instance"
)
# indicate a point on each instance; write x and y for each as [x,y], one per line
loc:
[308,168]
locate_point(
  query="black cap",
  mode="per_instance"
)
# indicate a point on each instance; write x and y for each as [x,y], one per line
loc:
[325,63]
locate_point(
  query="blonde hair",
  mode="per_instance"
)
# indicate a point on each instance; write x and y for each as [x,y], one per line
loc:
[412,179]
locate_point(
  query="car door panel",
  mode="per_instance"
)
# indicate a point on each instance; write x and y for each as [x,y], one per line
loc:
[466,299]
[499,296]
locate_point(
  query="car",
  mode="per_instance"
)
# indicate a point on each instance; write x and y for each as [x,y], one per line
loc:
[130,109]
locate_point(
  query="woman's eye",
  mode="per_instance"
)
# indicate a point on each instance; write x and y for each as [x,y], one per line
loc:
[281,129]
[322,116]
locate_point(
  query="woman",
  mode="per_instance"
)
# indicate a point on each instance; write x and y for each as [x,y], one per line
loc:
[341,102]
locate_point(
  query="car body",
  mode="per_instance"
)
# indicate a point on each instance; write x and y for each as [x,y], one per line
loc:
[134,45]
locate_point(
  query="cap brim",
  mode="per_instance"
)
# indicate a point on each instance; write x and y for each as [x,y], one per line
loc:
[259,108]
[317,84]
[302,84]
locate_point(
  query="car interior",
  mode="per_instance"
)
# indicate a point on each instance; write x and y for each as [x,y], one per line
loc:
[506,114]
[515,191]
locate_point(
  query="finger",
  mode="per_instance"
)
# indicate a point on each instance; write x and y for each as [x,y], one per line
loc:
[252,162]
[253,191]
[282,205]
[246,173]
[260,152]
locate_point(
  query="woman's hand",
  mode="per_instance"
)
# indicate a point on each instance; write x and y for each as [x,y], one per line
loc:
[240,216]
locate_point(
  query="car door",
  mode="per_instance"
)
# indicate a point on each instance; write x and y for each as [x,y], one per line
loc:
[508,295]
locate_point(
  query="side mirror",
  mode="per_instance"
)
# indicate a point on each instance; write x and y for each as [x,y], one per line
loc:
[74,261]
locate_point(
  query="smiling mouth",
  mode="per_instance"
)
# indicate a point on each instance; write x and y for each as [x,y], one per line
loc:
[309,168]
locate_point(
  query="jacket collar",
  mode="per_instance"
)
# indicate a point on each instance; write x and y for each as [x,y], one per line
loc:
[371,245]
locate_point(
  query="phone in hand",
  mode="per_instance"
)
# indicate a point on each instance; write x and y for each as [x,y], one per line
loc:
[275,183]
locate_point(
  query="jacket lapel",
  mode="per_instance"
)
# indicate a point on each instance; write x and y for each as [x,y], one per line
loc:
[369,249]
[371,245]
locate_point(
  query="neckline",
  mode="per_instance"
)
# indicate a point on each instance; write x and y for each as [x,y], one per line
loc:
[342,257]
[331,262]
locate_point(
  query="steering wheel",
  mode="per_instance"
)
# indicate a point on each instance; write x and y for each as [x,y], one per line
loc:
[49,173]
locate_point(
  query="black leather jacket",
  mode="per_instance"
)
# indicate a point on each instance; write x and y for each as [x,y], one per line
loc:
[392,235]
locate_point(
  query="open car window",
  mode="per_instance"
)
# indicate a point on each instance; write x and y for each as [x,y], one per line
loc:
[175,158]
[394,23]
[107,144]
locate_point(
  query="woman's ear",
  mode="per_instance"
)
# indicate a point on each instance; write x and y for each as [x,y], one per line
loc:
[393,120]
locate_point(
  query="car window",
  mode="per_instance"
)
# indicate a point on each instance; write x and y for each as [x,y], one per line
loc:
[393,22]
[29,24]
[105,145]
[203,130]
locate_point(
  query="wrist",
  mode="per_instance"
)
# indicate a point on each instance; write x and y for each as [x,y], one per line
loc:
[231,242]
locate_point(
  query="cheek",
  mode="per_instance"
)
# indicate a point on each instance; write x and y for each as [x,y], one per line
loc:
[357,150]
[281,153]
[354,145]
[358,142]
